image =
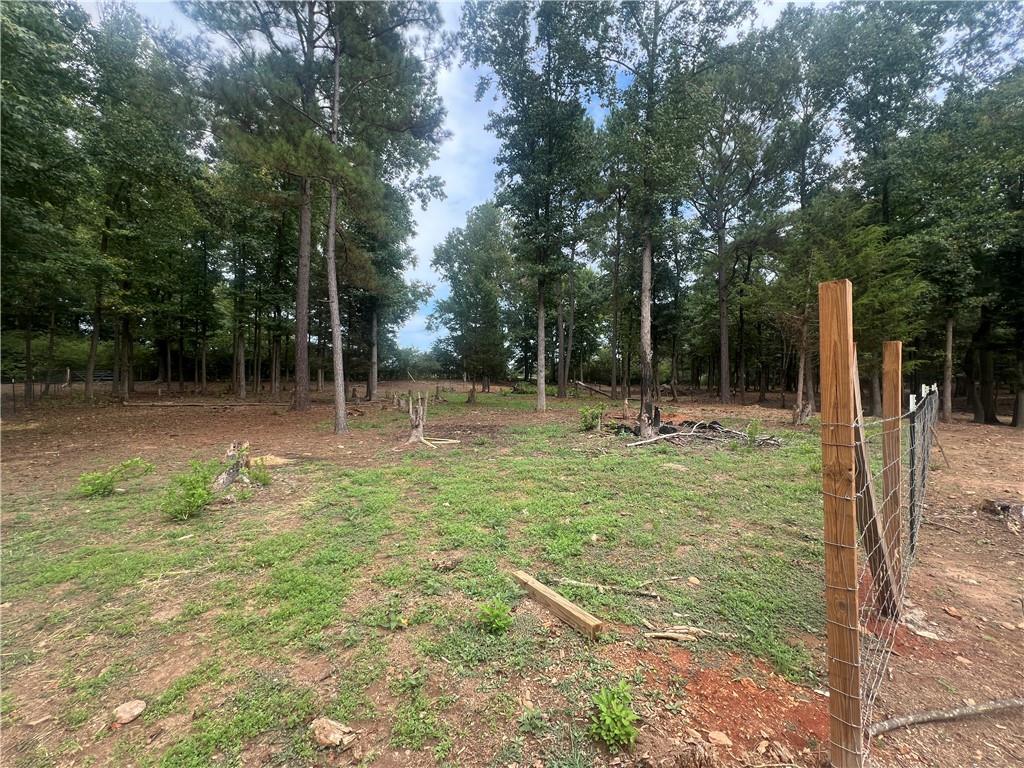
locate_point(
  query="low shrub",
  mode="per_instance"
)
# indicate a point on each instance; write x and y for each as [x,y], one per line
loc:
[258,474]
[495,616]
[104,483]
[613,716]
[590,418]
[189,493]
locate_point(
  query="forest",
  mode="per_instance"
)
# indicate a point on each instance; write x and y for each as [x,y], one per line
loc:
[673,180]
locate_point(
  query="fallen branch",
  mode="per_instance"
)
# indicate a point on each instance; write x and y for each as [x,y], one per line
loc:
[668,436]
[608,588]
[941,525]
[943,715]
[593,389]
[687,634]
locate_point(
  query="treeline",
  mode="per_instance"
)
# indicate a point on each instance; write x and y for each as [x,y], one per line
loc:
[235,208]
[674,181]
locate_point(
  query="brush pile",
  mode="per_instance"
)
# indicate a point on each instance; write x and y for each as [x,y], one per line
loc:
[686,432]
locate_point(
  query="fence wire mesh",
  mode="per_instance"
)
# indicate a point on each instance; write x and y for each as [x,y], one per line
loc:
[891,460]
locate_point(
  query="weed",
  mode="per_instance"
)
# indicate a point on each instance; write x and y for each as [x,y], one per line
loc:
[189,493]
[93,484]
[613,716]
[532,722]
[258,473]
[590,418]
[495,616]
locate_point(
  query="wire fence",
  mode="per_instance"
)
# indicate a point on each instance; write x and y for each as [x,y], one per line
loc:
[891,467]
[891,457]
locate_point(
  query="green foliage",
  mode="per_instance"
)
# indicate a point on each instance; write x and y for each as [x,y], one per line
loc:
[258,473]
[104,483]
[189,493]
[613,716]
[495,616]
[753,431]
[590,418]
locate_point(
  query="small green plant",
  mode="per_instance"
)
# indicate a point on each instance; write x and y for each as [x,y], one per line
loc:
[613,716]
[189,493]
[258,473]
[532,721]
[753,430]
[104,483]
[590,418]
[495,616]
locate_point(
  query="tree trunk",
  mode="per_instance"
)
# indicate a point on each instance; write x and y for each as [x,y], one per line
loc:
[798,407]
[947,374]
[126,357]
[973,368]
[94,341]
[809,384]
[275,365]
[202,364]
[240,362]
[301,402]
[560,344]
[541,358]
[181,364]
[646,348]
[257,350]
[371,381]
[167,362]
[1018,398]
[723,320]
[741,367]
[29,387]
[988,396]
[49,353]
[876,395]
[115,375]
[616,301]
[567,371]
[675,367]
[340,418]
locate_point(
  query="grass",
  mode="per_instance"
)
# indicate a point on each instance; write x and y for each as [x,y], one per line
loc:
[342,571]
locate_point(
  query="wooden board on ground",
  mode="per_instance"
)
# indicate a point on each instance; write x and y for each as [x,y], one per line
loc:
[567,611]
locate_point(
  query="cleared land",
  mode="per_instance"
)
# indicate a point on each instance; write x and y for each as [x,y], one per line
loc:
[350,588]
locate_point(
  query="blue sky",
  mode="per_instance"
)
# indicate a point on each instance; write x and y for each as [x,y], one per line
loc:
[465,161]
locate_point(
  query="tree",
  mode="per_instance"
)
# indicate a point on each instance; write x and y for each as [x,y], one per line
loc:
[475,261]
[738,165]
[542,58]
[44,168]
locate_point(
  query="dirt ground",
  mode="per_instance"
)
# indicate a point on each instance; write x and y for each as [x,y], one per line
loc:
[967,587]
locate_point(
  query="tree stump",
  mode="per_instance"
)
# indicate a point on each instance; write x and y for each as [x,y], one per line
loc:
[417,419]
[238,459]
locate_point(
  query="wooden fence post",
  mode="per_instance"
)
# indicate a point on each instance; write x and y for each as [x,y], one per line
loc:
[892,408]
[846,732]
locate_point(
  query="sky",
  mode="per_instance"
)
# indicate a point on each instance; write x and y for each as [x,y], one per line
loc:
[465,161]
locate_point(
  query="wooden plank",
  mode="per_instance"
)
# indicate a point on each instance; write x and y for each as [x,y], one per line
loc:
[869,519]
[846,732]
[567,611]
[892,461]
